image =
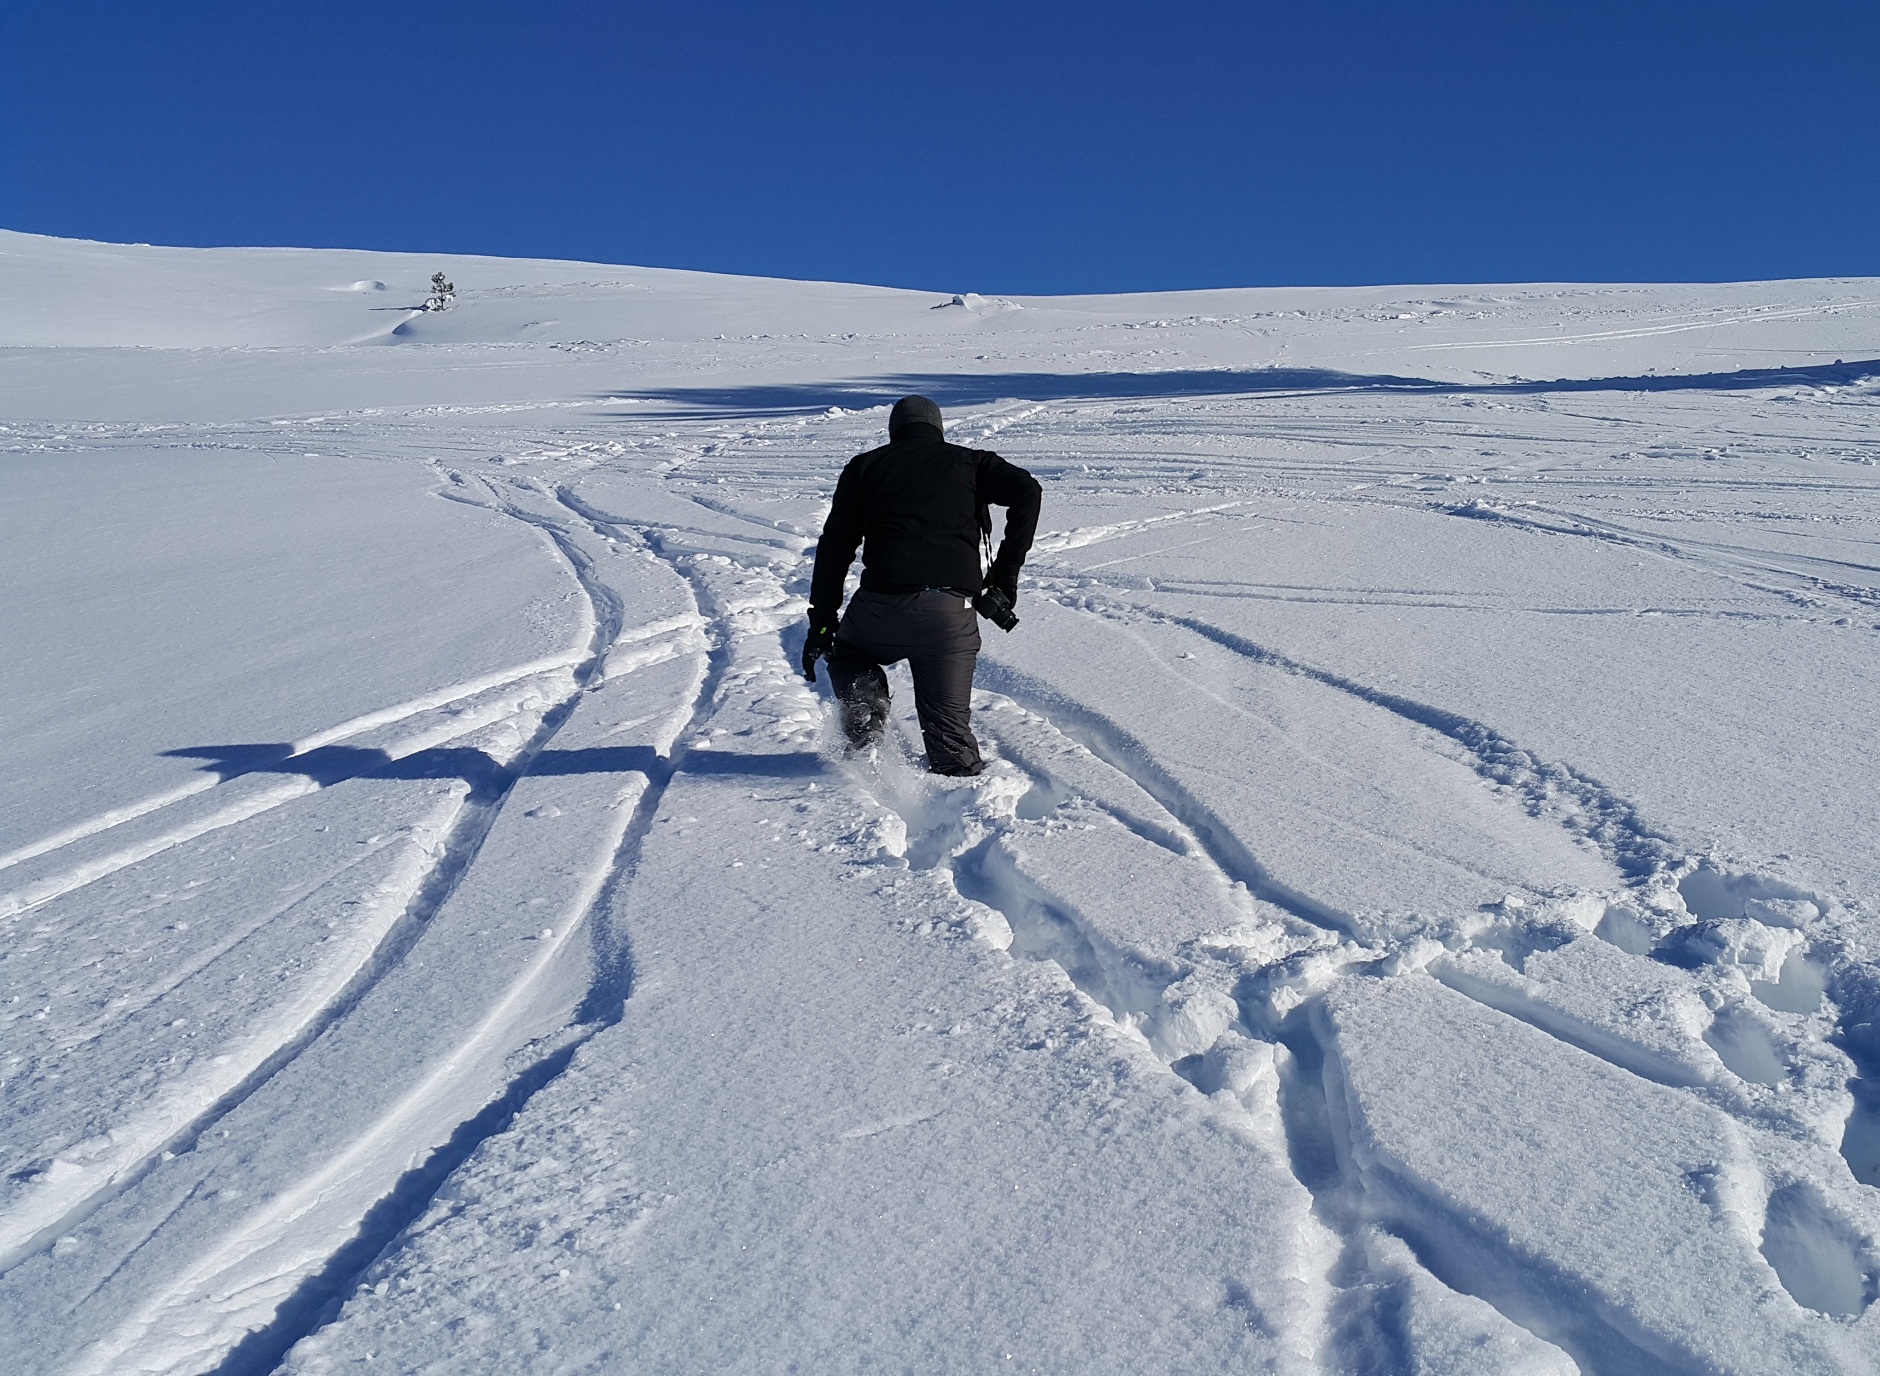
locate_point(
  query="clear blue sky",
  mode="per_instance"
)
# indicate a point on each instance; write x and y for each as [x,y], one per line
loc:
[993,147]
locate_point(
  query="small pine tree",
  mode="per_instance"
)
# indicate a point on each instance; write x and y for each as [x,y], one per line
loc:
[441,293]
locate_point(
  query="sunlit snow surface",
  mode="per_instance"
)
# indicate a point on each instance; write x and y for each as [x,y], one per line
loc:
[1420,916]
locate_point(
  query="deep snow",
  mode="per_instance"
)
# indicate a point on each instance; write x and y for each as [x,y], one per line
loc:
[1420,917]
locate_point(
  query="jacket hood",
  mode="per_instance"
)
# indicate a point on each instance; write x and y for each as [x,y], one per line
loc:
[913,411]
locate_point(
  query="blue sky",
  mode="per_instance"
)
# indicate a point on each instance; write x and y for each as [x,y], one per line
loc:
[997,147]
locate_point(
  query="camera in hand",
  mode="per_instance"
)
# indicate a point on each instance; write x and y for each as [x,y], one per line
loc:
[993,604]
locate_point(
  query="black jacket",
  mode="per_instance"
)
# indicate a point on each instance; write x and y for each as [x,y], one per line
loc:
[915,507]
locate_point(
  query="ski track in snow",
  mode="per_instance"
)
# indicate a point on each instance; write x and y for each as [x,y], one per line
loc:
[407,1200]
[422,890]
[316,1299]
[429,891]
[241,793]
[1594,810]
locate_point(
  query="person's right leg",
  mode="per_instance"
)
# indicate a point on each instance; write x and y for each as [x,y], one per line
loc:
[864,643]
[861,691]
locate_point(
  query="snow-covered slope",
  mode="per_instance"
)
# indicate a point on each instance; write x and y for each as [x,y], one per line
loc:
[1420,918]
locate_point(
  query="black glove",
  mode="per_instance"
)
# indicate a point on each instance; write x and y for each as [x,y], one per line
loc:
[820,641]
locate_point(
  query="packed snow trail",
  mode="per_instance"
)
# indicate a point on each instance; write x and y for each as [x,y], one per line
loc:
[1418,917]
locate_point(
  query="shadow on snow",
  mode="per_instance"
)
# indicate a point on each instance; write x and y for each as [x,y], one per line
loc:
[331,764]
[974,389]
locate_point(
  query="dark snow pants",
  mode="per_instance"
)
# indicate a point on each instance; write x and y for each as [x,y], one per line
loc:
[937,633]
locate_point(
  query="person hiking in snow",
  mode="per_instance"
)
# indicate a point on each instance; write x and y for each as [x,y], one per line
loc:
[917,508]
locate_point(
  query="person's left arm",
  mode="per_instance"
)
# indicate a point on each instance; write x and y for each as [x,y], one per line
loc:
[1007,485]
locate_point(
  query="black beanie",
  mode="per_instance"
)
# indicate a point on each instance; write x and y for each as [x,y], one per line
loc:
[912,411]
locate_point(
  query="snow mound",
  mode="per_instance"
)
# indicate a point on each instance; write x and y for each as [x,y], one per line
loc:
[976,304]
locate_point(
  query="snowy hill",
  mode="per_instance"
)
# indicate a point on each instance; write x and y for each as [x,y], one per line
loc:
[1420,918]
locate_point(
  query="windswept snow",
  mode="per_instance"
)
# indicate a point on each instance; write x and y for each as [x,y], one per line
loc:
[1420,915]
